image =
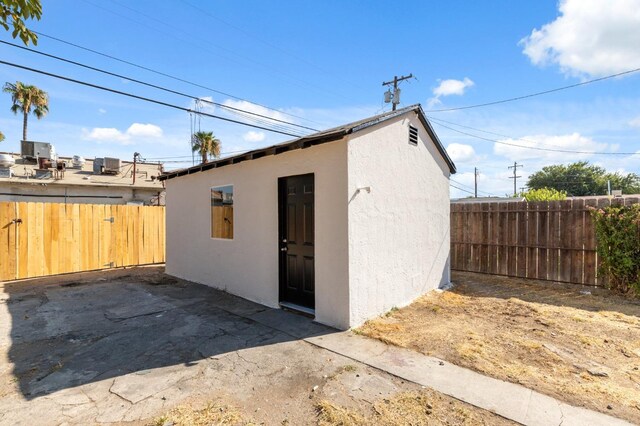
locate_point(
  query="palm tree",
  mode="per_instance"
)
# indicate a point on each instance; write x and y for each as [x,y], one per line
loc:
[206,144]
[27,99]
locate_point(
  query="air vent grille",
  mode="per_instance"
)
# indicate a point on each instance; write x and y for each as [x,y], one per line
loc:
[413,135]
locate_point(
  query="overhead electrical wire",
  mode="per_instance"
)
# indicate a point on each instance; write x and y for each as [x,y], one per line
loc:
[544,92]
[142,98]
[468,186]
[486,131]
[266,43]
[273,71]
[155,86]
[566,151]
[463,190]
[142,67]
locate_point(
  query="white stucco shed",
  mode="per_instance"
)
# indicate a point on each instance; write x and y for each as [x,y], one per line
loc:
[344,224]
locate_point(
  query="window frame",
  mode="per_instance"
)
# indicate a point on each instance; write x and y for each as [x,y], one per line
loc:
[210,212]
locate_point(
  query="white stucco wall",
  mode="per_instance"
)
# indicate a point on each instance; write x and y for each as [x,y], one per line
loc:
[399,232]
[248,265]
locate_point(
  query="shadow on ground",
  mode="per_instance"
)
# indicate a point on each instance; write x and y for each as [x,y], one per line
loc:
[587,298]
[69,331]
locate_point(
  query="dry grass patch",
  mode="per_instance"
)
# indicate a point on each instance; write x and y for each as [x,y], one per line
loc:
[583,349]
[213,414]
[409,408]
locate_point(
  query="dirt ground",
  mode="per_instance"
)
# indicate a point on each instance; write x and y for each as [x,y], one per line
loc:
[578,344]
[137,347]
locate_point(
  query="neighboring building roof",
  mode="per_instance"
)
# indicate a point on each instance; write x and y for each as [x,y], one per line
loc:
[471,200]
[24,173]
[324,136]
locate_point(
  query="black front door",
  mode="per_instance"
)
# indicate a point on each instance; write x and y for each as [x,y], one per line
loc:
[296,240]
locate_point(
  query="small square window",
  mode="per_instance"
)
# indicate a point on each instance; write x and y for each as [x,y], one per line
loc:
[222,212]
[413,135]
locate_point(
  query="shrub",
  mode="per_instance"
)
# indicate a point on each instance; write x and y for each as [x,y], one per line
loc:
[618,245]
[544,194]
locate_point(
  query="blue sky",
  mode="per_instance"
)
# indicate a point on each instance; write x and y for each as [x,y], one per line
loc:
[324,63]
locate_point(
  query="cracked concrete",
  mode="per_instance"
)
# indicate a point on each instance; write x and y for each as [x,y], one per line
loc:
[130,348]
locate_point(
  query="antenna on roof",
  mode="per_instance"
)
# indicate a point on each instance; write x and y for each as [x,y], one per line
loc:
[394,97]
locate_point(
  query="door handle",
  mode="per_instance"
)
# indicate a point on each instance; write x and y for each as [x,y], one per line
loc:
[284,249]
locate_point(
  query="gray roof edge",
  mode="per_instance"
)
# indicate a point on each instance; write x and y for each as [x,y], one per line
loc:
[325,136]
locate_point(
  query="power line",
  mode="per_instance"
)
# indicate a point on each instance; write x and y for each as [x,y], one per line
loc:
[486,131]
[468,186]
[544,92]
[266,43]
[567,151]
[131,95]
[463,190]
[142,67]
[188,156]
[268,68]
[155,86]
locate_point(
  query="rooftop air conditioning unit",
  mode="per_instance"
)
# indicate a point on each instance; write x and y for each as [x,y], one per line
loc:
[32,150]
[78,162]
[7,160]
[98,165]
[112,165]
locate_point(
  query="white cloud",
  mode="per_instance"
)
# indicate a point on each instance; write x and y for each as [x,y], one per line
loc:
[590,37]
[570,142]
[102,111]
[452,87]
[107,134]
[252,136]
[449,87]
[144,130]
[135,131]
[635,122]
[461,152]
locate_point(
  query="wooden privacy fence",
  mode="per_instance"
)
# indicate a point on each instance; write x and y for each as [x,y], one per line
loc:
[38,239]
[552,241]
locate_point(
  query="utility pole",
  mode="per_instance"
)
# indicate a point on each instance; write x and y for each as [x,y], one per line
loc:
[475,178]
[135,160]
[394,97]
[515,176]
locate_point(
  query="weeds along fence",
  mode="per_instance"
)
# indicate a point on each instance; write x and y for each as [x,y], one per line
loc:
[40,239]
[552,241]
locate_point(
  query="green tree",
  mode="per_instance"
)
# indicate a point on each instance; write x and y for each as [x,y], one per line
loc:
[1,136]
[582,178]
[15,12]
[206,144]
[27,99]
[544,194]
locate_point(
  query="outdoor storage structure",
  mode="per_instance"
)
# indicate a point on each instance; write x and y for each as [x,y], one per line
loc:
[344,224]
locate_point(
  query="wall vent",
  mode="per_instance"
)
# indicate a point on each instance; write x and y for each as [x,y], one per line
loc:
[413,135]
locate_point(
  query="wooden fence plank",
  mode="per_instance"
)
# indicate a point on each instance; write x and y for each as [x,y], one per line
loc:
[542,240]
[8,261]
[503,236]
[547,240]
[577,241]
[590,256]
[494,238]
[532,240]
